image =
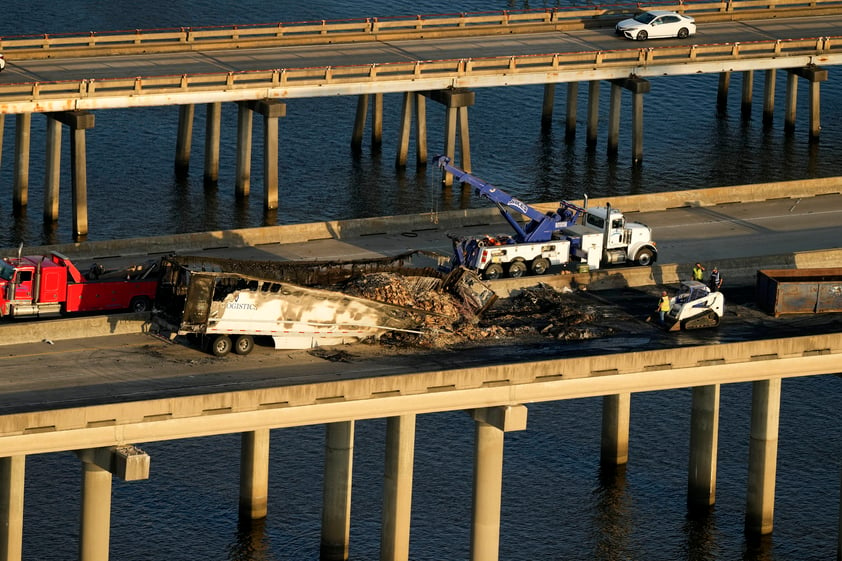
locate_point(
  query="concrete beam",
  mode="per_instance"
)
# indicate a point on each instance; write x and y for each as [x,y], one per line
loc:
[127,462]
[76,120]
[507,418]
[811,73]
[454,97]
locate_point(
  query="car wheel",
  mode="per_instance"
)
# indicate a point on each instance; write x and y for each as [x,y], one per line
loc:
[140,304]
[493,271]
[243,344]
[540,266]
[517,269]
[221,345]
[683,33]
[642,36]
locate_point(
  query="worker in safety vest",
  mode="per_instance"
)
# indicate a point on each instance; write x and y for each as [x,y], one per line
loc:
[663,307]
[698,272]
[715,282]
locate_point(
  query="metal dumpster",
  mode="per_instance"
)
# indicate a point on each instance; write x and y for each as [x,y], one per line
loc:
[799,291]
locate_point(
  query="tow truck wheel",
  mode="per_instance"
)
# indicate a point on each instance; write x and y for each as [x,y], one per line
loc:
[140,304]
[517,269]
[221,345]
[243,344]
[493,271]
[645,257]
[540,266]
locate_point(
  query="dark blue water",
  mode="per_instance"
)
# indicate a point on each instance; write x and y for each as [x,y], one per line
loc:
[556,504]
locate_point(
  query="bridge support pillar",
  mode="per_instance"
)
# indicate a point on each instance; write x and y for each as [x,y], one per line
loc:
[593,113]
[570,118]
[748,89]
[769,96]
[52,170]
[23,133]
[547,107]
[397,488]
[12,470]
[376,122]
[491,425]
[614,106]
[722,91]
[254,474]
[704,440]
[336,500]
[245,122]
[213,124]
[417,100]
[763,453]
[815,76]
[271,111]
[184,140]
[616,410]
[637,87]
[456,102]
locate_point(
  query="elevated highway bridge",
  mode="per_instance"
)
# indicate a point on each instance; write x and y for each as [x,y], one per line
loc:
[444,59]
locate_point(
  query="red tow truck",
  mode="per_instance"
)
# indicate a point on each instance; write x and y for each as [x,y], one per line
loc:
[41,285]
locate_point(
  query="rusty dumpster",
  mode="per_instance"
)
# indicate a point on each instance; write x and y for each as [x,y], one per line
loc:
[799,291]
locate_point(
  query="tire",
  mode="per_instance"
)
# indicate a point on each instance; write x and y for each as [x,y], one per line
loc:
[540,266]
[243,344]
[140,304]
[642,36]
[493,271]
[517,269]
[221,345]
[683,33]
[645,257]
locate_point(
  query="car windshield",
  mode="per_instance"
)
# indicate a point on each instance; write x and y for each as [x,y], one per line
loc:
[645,17]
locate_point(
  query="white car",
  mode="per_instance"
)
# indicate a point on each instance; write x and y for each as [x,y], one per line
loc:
[656,24]
[2,62]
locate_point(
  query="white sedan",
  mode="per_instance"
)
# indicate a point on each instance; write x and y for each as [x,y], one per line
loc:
[655,24]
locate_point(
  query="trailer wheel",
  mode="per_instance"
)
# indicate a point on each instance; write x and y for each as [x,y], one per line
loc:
[243,344]
[540,266]
[645,257]
[221,345]
[517,269]
[493,271]
[140,304]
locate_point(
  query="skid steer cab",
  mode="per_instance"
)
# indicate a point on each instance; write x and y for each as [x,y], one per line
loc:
[694,307]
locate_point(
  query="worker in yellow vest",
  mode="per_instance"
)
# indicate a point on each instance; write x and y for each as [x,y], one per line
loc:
[663,307]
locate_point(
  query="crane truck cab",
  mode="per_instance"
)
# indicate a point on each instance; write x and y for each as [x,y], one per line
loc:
[604,237]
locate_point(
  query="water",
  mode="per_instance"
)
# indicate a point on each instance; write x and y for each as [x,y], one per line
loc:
[133,191]
[556,502]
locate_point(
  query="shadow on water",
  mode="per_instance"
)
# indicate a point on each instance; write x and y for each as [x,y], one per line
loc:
[251,543]
[700,529]
[613,520]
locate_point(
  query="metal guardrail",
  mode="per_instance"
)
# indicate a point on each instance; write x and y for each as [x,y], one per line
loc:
[415,72]
[370,29]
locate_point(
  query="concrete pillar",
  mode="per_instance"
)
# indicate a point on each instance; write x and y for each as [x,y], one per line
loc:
[213,125]
[336,500]
[184,139]
[23,132]
[79,166]
[762,457]
[397,488]
[404,130]
[616,410]
[547,107]
[704,441]
[359,122]
[491,425]
[791,101]
[12,471]
[637,127]
[271,110]
[421,120]
[769,96]
[615,101]
[748,88]
[570,118]
[254,474]
[245,120]
[52,170]
[377,123]
[722,91]
[456,102]
[96,513]
[593,112]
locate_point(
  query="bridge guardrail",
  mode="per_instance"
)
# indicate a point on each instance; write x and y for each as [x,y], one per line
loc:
[172,85]
[371,29]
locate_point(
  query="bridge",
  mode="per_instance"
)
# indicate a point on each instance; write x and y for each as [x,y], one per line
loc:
[436,58]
